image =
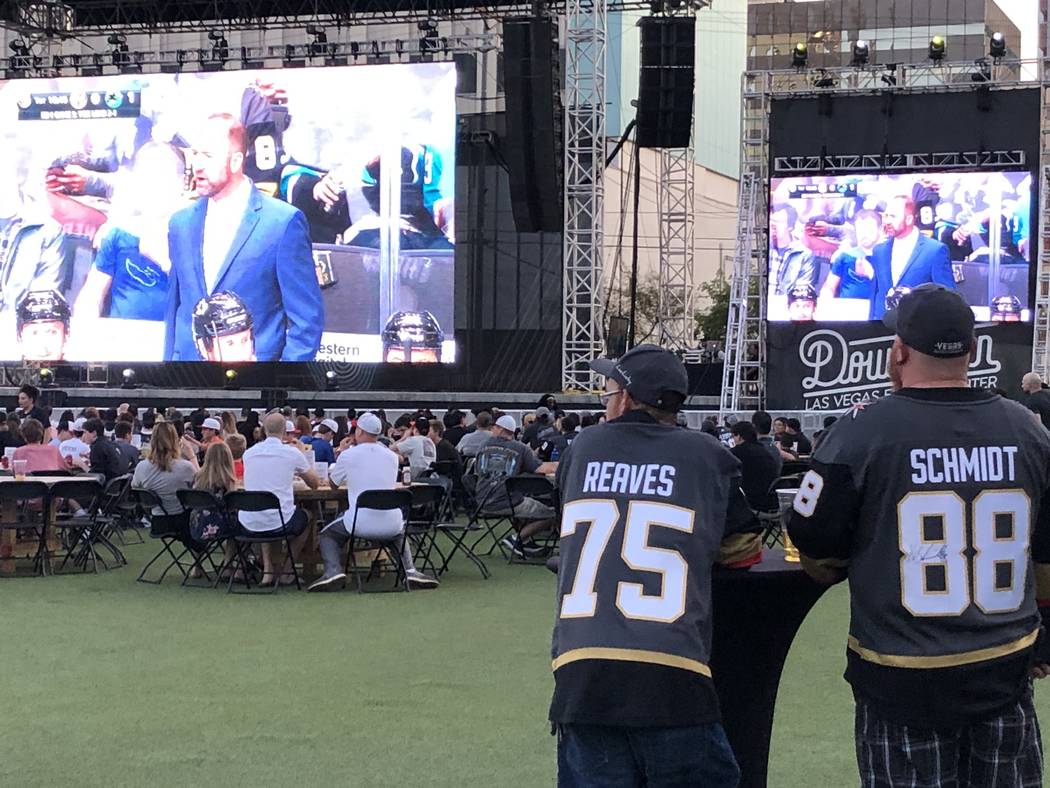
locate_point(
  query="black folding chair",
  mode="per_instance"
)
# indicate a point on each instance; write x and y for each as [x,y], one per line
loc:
[256,501]
[113,514]
[794,467]
[380,500]
[539,488]
[478,522]
[171,546]
[428,504]
[22,495]
[773,522]
[197,503]
[83,535]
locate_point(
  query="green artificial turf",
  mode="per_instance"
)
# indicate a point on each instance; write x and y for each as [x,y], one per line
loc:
[109,682]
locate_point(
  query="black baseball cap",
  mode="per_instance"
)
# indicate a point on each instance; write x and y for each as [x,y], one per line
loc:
[652,375]
[933,320]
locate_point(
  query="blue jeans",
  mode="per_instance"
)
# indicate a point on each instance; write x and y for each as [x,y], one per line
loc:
[594,756]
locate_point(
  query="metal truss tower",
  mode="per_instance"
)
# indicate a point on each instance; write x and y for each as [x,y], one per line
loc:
[677,328]
[743,381]
[585,38]
[1041,317]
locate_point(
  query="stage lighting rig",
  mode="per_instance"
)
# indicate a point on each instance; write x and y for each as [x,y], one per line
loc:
[119,54]
[21,60]
[220,47]
[331,380]
[800,55]
[128,379]
[319,45]
[938,48]
[983,72]
[824,80]
[861,53]
[997,46]
[428,36]
[47,378]
[231,378]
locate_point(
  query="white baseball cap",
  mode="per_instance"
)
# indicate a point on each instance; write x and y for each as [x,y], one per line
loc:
[211,424]
[329,424]
[78,425]
[289,426]
[507,423]
[370,423]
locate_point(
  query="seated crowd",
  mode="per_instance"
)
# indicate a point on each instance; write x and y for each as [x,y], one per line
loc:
[469,454]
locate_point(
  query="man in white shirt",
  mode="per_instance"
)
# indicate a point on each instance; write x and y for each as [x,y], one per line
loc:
[368,465]
[417,447]
[74,449]
[272,466]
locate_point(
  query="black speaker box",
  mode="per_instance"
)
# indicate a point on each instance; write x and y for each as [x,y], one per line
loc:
[665,82]
[530,143]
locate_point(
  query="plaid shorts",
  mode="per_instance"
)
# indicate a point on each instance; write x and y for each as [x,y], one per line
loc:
[1001,752]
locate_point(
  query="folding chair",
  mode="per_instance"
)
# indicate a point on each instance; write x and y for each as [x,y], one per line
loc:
[773,522]
[794,468]
[457,532]
[113,515]
[542,489]
[243,540]
[380,500]
[171,545]
[19,494]
[428,504]
[197,502]
[83,535]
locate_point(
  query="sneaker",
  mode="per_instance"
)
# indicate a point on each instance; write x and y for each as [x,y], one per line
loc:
[510,543]
[419,580]
[533,550]
[330,583]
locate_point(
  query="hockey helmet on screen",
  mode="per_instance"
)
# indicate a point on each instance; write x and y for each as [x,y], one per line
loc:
[894,296]
[412,337]
[42,306]
[1006,309]
[219,315]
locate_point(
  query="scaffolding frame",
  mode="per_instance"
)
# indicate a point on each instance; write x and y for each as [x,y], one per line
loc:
[585,43]
[744,372]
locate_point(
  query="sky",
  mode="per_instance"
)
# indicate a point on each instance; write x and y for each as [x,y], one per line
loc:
[1024,14]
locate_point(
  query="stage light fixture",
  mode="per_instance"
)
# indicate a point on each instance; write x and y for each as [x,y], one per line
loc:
[861,52]
[231,378]
[983,72]
[220,47]
[824,80]
[800,55]
[47,378]
[355,49]
[128,378]
[997,45]
[119,54]
[331,380]
[938,48]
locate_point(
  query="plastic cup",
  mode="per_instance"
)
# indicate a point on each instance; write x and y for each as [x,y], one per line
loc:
[20,468]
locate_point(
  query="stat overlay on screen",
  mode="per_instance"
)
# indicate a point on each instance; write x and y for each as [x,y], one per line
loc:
[279,215]
[848,247]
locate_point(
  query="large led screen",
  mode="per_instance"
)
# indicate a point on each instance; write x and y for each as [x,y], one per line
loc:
[846,248]
[281,215]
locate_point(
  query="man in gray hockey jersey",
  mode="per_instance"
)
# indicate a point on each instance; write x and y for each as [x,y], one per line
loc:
[644,512]
[932,500]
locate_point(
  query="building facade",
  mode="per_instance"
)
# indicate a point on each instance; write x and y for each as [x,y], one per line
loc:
[897,31]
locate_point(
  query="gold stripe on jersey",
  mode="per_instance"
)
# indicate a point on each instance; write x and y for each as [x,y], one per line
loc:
[945,661]
[632,655]
[739,547]
[1042,581]
[826,571]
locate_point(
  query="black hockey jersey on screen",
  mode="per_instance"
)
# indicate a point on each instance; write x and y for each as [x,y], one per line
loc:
[643,514]
[933,499]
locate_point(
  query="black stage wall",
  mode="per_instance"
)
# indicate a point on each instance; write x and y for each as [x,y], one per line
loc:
[508,301]
[830,366]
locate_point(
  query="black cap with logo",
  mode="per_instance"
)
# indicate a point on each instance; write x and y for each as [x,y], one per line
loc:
[933,320]
[652,375]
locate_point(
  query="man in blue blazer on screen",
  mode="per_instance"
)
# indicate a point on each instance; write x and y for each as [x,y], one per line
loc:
[907,259]
[237,240]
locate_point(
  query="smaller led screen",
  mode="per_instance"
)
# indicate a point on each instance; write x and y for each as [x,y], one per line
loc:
[848,247]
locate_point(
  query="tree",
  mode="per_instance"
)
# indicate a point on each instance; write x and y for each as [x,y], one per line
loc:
[711,322]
